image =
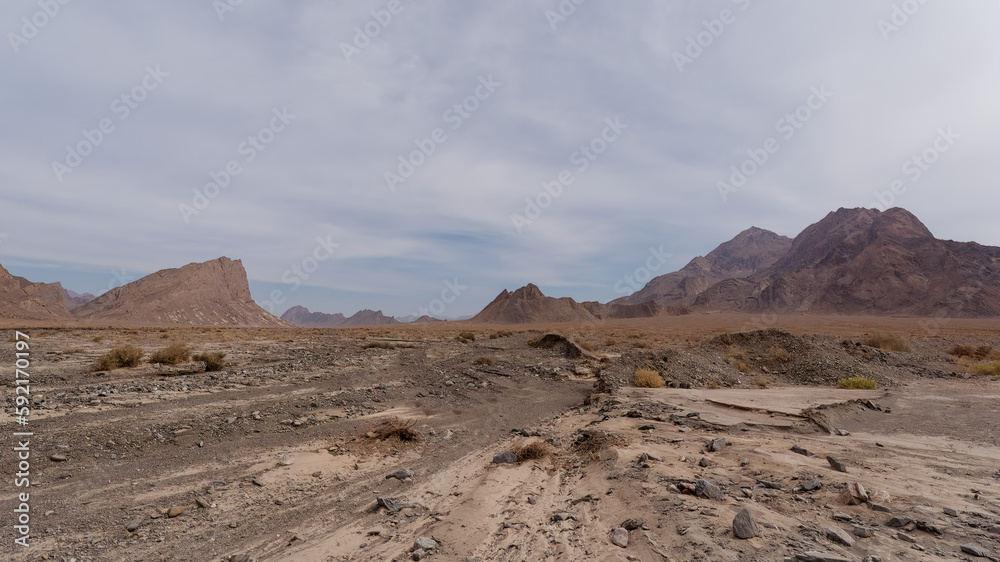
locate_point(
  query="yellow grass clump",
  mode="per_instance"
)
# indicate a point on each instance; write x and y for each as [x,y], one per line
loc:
[644,378]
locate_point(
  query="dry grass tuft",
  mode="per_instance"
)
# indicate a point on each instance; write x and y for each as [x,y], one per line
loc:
[536,450]
[967,351]
[484,361]
[72,351]
[214,361]
[887,342]
[593,442]
[118,358]
[779,353]
[644,378]
[991,369]
[395,428]
[379,345]
[173,354]
[761,382]
[466,337]
[857,383]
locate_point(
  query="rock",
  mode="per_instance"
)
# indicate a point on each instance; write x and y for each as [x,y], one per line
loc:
[975,550]
[951,512]
[842,517]
[58,457]
[853,494]
[532,500]
[801,451]
[905,538]
[864,532]
[650,457]
[707,490]
[880,496]
[898,521]
[390,505]
[133,525]
[202,503]
[995,529]
[424,543]
[560,516]
[401,475]
[843,432]
[175,511]
[929,528]
[838,535]
[744,527]
[285,461]
[836,464]
[878,507]
[812,485]
[814,556]
[770,485]
[257,483]
[633,524]
[717,445]
[704,462]
[419,554]
[506,457]
[619,537]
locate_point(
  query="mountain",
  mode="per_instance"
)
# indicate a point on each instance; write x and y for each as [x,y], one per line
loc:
[750,251]
[866,261]
[21,299]
[302,317]
[213,293]
[74,299]
[528,305]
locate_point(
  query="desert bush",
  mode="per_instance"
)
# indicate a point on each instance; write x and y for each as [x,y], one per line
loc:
[501,334]
[97,339]
[586,345]
[779,353]
[485,361]
[379,345]
[214,361]
[988,369]
[887,342]
[173,354]
[395,428]
[857,383]
[536,450]
[466,337]
[593,442]
[761,382]
[972,352]
[640,345]
[72,351]
[712,385]
[119,357]
[610,342]
[644,378]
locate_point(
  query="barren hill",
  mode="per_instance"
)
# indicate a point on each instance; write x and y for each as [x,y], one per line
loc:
[302,317]
[749,252]
[867,261]
[528,304]
[23,300]
[213,293]
[74,299]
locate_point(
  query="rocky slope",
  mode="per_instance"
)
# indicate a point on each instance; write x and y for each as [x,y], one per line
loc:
[304,318]
[213,293]
[528,304]
[866,261]
[749,252]
[21,299]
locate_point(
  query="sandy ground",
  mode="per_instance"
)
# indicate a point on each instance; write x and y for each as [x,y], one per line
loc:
[271,459]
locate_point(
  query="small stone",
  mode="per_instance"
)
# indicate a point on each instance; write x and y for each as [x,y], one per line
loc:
[560,516]
[801,451]
[853,494]
[864,532]
[898,521]
[975,550]
[995,529]
[175,511]
[133,525]
[813,556]
[285,461]
[951,512]
[652,457]
[704,463]
[58,457]
[401,474]
[707,490]
[390,505]
[425,543]
[619,537]
[717,445]
[836,464]
[532,500]
[744,527]
[419,554]
[633,524]
[878,507]
[842,517]
[929,528]
[203,503]
[843,432]
[257,483]
[905,538]
[838,535]
[812,485]
[505,457]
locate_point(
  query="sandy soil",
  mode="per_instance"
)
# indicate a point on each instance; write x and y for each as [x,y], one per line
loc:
[271,457]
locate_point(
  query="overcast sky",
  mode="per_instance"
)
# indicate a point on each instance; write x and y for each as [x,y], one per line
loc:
[316,104]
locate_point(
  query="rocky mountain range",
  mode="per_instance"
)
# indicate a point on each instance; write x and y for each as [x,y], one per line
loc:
[21,299]
[302,317]
[528,304]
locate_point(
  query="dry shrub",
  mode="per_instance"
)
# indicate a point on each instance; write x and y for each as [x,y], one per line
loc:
[640,345]
[214,361]
[586,345]
[593,442]
[485,361]
[379,345]
[536,450]
[395,428]
[610,342]
[173,354]
[118,358]
[97,339]
[857,383]
[72,351]
[887,342]
[989,369]
[779,353]
[761,382]
[712,385]
[466,337]
[967,351]
[501,334]
[644,378]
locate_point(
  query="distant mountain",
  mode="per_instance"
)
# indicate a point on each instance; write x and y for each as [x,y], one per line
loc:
[864,261]
[21,299]
[425,319]
[74,299]
[750,251]
[528,305]
[302,317]
[213,293]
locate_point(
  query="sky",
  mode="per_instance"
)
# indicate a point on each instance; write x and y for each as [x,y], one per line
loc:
[420,157]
